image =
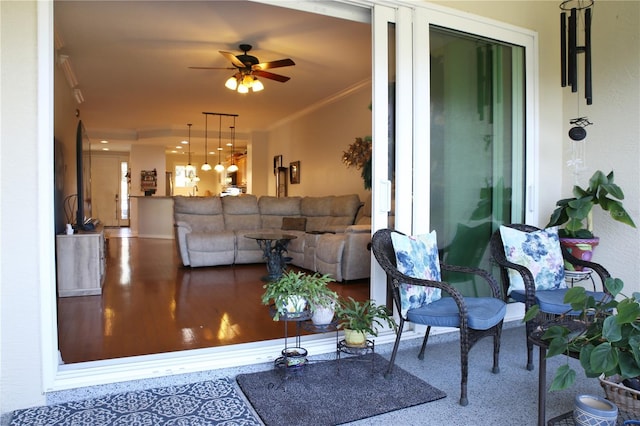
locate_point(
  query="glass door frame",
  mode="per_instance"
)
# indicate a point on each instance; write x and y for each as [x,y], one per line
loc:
[412,44]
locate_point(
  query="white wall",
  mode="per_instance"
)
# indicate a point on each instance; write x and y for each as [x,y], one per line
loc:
[317,139]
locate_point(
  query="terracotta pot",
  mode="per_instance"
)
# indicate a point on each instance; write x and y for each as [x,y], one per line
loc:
[582,248]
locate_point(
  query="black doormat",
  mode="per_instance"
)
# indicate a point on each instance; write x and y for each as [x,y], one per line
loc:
[333,392]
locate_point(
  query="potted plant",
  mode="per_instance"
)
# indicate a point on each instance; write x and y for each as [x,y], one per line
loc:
[576,213]
[321,298]
[296,293]
[359,319]
[606,336]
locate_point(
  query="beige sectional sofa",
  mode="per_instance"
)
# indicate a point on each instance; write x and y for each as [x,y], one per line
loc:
[332,232]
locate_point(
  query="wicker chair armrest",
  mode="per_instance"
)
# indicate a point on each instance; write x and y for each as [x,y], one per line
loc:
[398,278]
[599,269]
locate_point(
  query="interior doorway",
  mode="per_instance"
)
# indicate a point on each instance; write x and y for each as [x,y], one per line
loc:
[110,189]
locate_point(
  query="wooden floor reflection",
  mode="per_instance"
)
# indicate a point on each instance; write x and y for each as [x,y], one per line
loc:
[151,304]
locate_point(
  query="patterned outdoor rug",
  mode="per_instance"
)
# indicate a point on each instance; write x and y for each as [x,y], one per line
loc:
[333,392]
[206,403]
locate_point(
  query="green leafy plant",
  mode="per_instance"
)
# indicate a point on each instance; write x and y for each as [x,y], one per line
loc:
[606,335]
[313,288]
[576,212]
[363,316]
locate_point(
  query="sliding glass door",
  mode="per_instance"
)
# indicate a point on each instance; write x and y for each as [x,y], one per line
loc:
[476,156]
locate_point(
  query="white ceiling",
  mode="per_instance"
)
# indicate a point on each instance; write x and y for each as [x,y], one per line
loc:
[131,62]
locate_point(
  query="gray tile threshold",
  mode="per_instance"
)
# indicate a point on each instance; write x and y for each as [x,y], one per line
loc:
[508,398]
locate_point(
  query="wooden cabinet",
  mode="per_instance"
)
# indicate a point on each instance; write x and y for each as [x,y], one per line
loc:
[241,176]
[81,263]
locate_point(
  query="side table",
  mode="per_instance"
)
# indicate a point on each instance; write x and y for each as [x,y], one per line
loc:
[273,246]
[536,339]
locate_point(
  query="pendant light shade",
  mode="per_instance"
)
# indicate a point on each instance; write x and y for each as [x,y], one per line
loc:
[206,167]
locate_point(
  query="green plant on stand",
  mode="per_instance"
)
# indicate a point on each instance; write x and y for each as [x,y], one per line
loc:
[294,291]
[362,318]
[606,335]
[575,213]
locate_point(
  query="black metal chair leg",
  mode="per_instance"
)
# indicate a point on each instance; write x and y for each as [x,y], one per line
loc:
[496,349]
[529,329]
[464,367]
[424,343]
[395,350]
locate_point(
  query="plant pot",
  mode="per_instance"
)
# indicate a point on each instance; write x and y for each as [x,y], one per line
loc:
[322,315]
[582,248]
[590,410]
[355,338]
[294,357]
[294,306]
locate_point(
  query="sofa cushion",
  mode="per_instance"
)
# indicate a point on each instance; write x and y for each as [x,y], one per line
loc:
[241,213]
[197,205]
[274,209]
[344,209]
[203,214]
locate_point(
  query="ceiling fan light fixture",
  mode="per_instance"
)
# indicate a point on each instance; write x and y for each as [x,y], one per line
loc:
[243,89]
[232,83]
[257,85]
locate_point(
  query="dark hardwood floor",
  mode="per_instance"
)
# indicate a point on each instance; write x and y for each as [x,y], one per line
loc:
[151,304]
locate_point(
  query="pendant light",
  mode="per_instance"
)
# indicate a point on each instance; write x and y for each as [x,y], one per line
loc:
[233,167]
[189,151]
[206,167]
[219,167]
[191,171]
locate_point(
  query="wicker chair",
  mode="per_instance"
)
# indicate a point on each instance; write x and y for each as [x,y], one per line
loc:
[476,317]
[551,302]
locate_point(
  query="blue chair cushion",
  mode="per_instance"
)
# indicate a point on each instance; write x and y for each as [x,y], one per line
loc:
[552,301]
[483,313]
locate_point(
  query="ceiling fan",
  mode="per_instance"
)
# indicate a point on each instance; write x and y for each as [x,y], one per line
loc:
[248,69]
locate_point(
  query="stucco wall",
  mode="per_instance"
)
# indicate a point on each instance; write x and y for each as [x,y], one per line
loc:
[22,198]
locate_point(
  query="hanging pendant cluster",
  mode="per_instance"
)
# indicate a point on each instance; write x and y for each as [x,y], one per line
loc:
[219,167]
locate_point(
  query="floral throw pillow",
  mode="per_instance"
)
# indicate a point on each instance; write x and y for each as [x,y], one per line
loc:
[540,252]
[417,256]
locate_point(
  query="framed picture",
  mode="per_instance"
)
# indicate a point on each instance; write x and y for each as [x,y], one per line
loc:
[277,162]
[294,172]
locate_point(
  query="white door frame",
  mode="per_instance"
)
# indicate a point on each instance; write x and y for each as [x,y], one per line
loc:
[409,204]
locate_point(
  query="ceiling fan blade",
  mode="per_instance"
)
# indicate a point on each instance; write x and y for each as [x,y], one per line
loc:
[270,75]
[212,68]
[232,58]
[273,64]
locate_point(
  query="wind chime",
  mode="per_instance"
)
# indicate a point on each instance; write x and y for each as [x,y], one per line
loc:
[580,12]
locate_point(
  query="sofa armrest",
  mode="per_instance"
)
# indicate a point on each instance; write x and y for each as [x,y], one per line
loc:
[342,229]
[181,230]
